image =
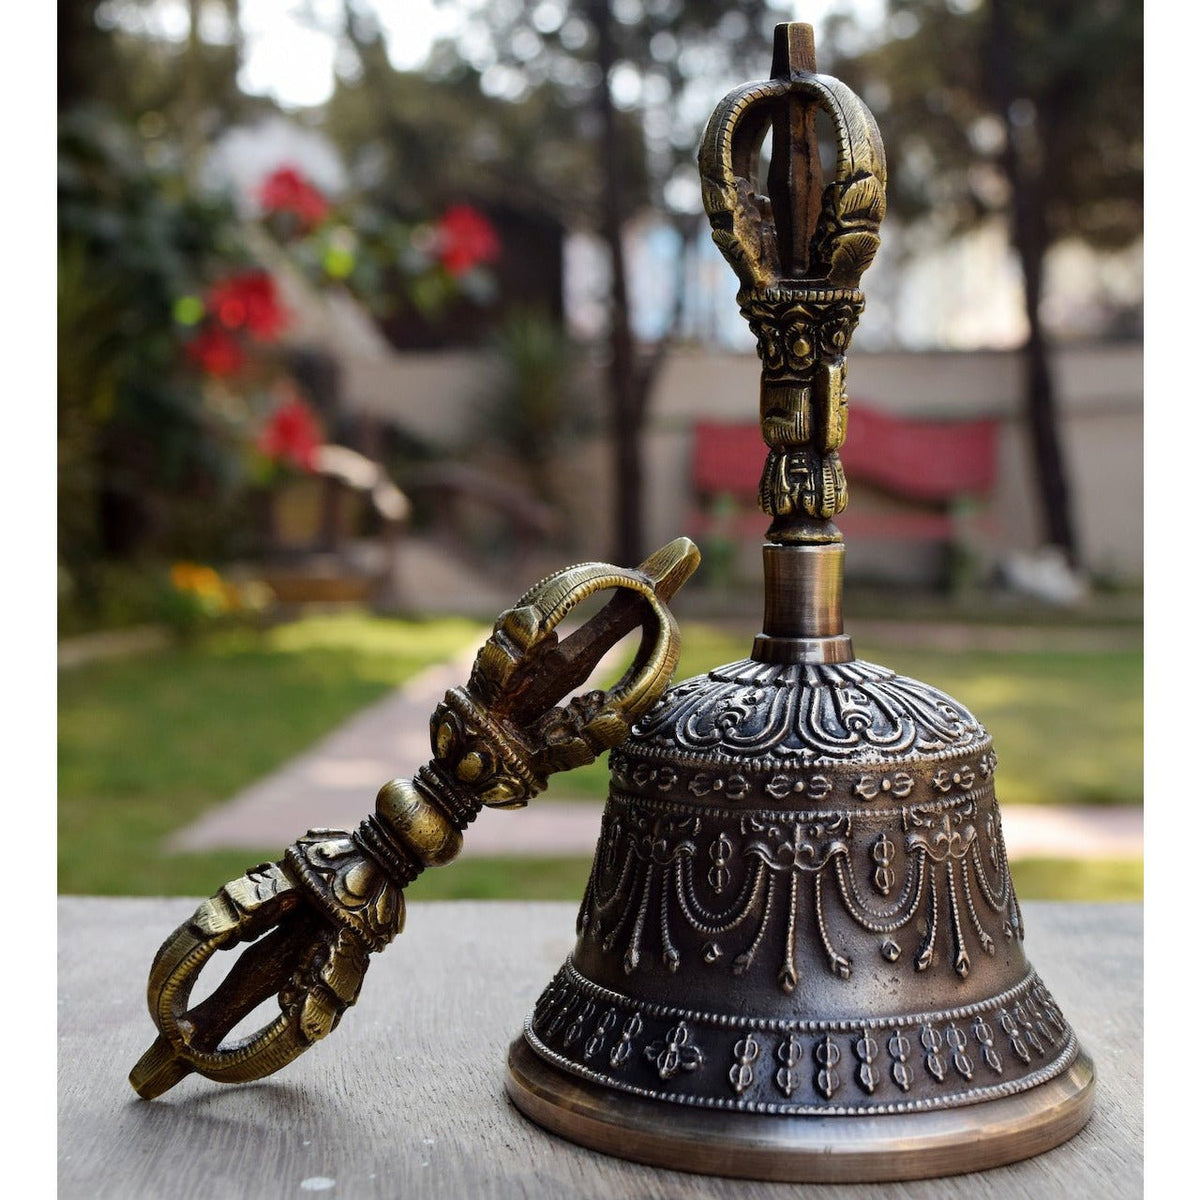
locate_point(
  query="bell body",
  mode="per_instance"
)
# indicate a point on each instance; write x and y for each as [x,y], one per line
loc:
[800,955]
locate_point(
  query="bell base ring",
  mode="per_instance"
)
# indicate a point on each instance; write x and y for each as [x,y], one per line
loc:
[801,1149]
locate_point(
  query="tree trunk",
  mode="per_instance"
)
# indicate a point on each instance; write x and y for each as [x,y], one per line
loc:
[80,51]
[1041,405]
[627,400]
[193,94]
[1024,162]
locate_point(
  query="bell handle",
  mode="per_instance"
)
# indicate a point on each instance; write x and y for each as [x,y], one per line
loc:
[799,258]
[313,919]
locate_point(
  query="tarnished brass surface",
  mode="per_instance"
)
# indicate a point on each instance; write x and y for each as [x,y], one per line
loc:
[800,955]
[315,917]
[802,610]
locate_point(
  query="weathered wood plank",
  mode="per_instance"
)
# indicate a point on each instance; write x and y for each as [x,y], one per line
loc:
[406,1098]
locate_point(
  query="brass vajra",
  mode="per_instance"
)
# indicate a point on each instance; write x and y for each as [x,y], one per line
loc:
[336,897]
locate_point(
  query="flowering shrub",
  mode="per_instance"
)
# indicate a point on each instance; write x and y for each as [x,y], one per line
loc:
[248,301]
[231,322]
[170,316]
[216,352]
[237,311]
[197,597]
[289,198]
[433,263]
[465,240]
[292,435]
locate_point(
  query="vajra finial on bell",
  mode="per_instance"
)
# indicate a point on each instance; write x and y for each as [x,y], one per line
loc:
[799,953]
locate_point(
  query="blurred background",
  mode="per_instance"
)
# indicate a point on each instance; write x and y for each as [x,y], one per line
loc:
[370,314]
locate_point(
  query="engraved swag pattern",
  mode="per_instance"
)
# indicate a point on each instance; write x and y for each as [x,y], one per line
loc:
[659,864]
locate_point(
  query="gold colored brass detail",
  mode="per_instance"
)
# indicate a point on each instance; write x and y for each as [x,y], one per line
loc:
[336,897]
[799,953]
[799,265]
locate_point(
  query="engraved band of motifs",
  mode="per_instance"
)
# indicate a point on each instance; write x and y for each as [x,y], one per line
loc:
[801,756]
[669,1013]
[809,293]
[791,815]
[972,1096]
[881,1025]
[963,1097]
[892,1108]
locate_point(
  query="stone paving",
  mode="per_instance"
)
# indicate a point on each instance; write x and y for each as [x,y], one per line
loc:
[334,784]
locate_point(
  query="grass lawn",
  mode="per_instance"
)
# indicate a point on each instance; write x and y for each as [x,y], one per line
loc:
[149,742]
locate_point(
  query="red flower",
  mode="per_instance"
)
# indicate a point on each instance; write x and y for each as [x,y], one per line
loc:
[292,435]
[249,301]
[286,190]
[214,351]
[465,238]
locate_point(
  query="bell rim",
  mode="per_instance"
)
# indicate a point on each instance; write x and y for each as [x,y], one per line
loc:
[855,1148]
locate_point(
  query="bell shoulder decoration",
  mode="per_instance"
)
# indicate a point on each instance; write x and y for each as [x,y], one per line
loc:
[799,954]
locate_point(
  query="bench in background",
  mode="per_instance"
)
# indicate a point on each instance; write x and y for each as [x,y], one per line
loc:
[909,478]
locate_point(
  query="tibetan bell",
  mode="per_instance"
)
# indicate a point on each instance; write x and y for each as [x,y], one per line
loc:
[799,953]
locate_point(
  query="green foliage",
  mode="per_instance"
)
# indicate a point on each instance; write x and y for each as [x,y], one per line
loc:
[672,61]
[935,81]
[118,596]
[533,406]
[425,141]
[134,438]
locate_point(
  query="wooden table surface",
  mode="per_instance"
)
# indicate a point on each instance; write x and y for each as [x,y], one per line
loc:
[406,1098]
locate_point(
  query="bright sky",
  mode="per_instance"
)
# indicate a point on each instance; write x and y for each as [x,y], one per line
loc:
[293,61]
[291,49]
